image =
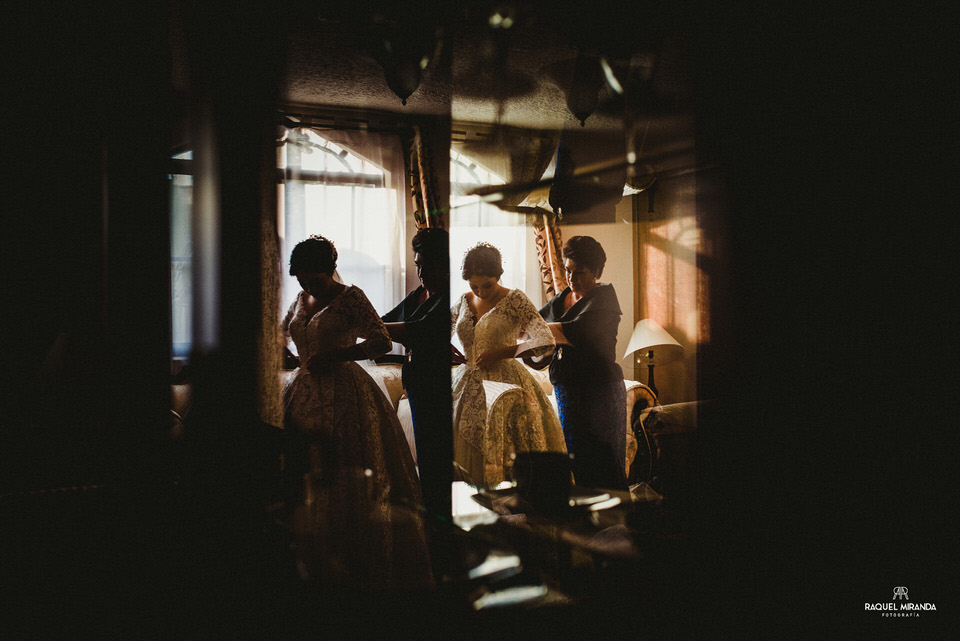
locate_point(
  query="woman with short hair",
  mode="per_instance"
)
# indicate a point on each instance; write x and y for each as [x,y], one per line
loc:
[587,379]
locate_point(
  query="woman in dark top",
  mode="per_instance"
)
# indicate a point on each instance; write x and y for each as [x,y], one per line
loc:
[421,322]
[586,378]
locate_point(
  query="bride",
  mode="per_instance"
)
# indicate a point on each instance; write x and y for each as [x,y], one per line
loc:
[490,320]
[356,515]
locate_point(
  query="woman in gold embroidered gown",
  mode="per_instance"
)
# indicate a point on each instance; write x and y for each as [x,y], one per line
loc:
[495,325]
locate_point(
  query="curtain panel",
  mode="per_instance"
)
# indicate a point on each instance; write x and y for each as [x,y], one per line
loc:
[421,169]
[549,242]
[525,157]
[372,247]
[522,157]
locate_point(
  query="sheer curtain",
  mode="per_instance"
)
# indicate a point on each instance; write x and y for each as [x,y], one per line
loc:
[350,187]
[472,221]
[524,157]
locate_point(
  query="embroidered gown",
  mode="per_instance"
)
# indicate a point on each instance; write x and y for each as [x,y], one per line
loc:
[484,447]
[356,521]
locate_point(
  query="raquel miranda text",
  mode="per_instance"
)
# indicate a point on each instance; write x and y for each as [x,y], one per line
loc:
[900,609]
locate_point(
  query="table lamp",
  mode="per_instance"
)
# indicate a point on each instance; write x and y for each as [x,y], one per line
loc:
[654,346]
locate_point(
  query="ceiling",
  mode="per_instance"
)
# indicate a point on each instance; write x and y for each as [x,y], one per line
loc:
[477,70]
[605,78]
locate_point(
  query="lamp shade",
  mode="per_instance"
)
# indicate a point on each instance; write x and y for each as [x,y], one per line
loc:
[649,337]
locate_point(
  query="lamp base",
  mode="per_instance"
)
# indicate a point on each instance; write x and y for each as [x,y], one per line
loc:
[650,383]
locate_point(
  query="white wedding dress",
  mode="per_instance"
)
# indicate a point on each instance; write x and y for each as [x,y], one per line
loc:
[358,521]
[483,445]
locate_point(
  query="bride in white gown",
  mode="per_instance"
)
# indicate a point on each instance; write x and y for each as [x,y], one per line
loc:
[489,321]
[357,516]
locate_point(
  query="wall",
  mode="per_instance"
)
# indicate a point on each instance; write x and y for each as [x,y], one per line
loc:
[617,241]
[653,265]
[668,266]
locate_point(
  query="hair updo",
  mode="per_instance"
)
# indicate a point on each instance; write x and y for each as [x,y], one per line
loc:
[585,251]
[433,244]
[483,259]
[314,254]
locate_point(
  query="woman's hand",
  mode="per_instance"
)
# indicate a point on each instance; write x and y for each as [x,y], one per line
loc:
[491,356]
[317,364]
[557,330]
[534,363]
[320,361]
[398,332]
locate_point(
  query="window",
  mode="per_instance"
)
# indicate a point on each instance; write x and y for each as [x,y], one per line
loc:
[181,253]
[473,221]
[347,186]
[340,192]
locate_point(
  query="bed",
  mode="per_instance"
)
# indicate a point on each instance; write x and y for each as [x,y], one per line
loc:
[387,375]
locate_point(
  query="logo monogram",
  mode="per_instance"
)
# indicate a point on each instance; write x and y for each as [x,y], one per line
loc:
[900,593]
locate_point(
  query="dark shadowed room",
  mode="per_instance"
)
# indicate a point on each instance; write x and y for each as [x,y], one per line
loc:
[477,320]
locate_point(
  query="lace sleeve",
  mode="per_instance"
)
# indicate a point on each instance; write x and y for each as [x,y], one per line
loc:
[538,337]
[455,314]
[370,327]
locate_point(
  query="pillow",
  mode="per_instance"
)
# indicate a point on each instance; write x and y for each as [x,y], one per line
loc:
[542,377]
[388,377]
[393,381]
[675,418]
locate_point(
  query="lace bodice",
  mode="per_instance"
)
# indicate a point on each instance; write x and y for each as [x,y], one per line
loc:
[348,317]
[484,442]
[513,317]
[349,455]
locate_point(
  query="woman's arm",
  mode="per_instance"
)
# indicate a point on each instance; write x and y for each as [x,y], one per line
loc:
[537,362]
[557,330]
[290,360]
[538,339]
[398,332]
[368,326]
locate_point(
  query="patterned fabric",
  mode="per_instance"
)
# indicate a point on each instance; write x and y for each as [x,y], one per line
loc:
[549,243]
[423,188]
[481,446]
[269,358]
[356,522]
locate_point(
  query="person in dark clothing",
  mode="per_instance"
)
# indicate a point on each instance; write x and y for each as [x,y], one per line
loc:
[586,378]
[421,322]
